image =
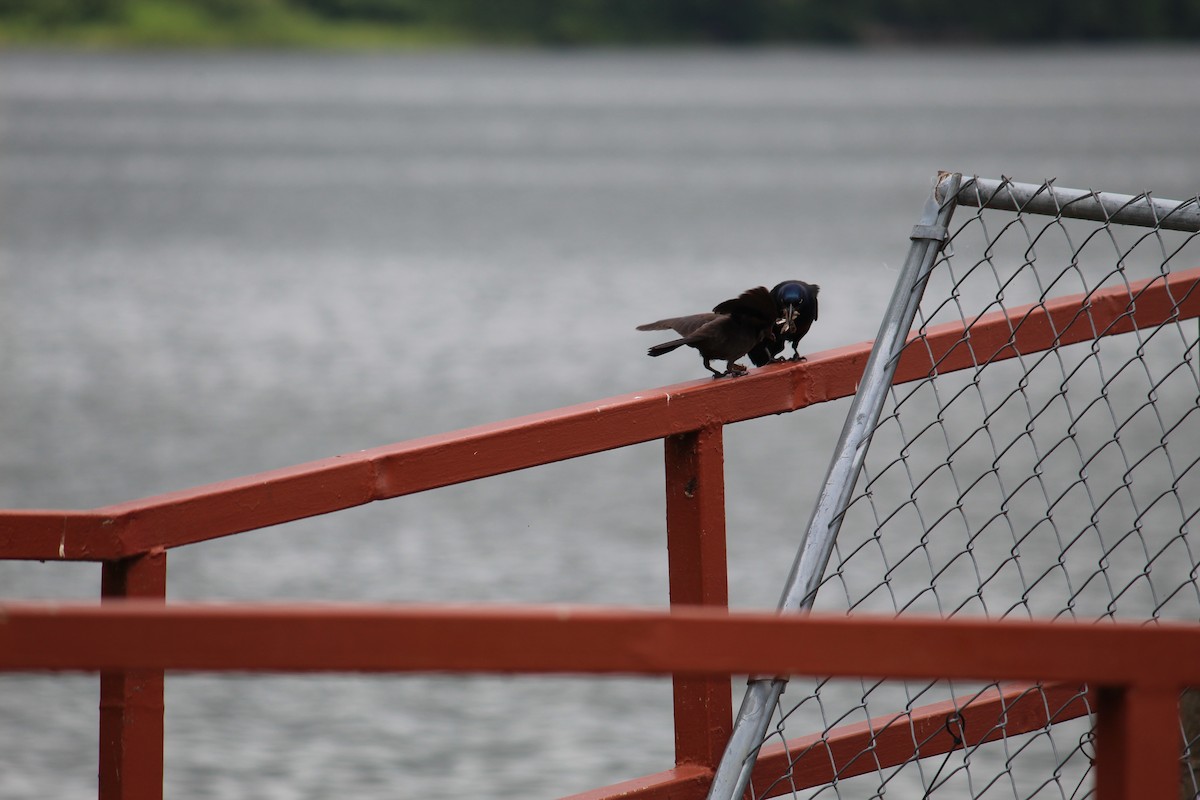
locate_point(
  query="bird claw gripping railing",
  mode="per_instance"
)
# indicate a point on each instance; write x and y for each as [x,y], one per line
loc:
[1027,461]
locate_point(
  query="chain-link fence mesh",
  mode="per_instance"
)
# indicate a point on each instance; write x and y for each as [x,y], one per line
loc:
[1056,483]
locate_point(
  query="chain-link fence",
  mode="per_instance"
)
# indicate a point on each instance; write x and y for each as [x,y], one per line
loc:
[1042,458]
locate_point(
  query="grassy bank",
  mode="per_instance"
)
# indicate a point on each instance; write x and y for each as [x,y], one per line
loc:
[170,24]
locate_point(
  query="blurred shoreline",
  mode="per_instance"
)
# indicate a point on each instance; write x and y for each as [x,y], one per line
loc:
[425,24]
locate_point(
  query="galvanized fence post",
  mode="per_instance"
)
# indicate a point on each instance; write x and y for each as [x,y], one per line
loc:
[733,774]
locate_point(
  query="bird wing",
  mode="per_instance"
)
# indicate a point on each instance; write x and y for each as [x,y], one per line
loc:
[756,303]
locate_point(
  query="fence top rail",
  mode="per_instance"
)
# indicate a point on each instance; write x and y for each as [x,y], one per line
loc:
[319,487]
[332,484]
[1046,198]
[585,640]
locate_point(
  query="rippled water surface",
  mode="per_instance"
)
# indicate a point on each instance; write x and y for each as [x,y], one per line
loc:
[212,265]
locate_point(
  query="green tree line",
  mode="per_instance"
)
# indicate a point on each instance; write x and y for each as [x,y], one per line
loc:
[592,22]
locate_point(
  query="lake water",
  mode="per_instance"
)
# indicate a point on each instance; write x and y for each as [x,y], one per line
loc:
[217,264]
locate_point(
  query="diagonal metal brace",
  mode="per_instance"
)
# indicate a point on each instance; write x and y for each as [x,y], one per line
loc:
[732,776]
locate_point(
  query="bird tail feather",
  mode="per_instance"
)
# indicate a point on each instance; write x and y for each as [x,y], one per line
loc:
[666,347]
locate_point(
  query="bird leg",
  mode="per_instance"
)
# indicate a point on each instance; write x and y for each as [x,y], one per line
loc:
[710,368]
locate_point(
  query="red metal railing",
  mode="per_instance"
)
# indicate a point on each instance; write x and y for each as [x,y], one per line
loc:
[1137,671]
[700,649]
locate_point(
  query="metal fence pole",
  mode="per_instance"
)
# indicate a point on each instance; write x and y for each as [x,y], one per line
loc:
[1124,209]
[737,763]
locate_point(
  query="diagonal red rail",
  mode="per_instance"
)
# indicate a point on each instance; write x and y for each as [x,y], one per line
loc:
[935,729]
[856,749]
[319,487]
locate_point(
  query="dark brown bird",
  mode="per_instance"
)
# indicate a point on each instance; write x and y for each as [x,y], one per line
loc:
[728,332]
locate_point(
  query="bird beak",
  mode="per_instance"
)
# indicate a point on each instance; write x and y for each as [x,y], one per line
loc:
[788,320]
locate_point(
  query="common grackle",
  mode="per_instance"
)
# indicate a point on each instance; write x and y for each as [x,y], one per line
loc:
[728,332]
[795,309]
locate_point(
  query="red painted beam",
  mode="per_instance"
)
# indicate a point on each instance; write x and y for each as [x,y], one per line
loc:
[332,484]
[319,487]
[131,700]
[1137,742]
[431,462]
[816,760]
[699,576]
[58,536]
[1056,322]
[574,639]
[893,739]
[689,782]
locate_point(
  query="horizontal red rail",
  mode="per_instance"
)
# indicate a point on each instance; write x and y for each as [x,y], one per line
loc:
[584,639]
[1136,670]
[319,487]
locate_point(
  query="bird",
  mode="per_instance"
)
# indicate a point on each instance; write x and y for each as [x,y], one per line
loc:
[730,331]
[795,311]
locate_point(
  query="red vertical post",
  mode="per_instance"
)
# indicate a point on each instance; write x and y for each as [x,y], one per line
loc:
[1137,743]
[131,701]
[695,480]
